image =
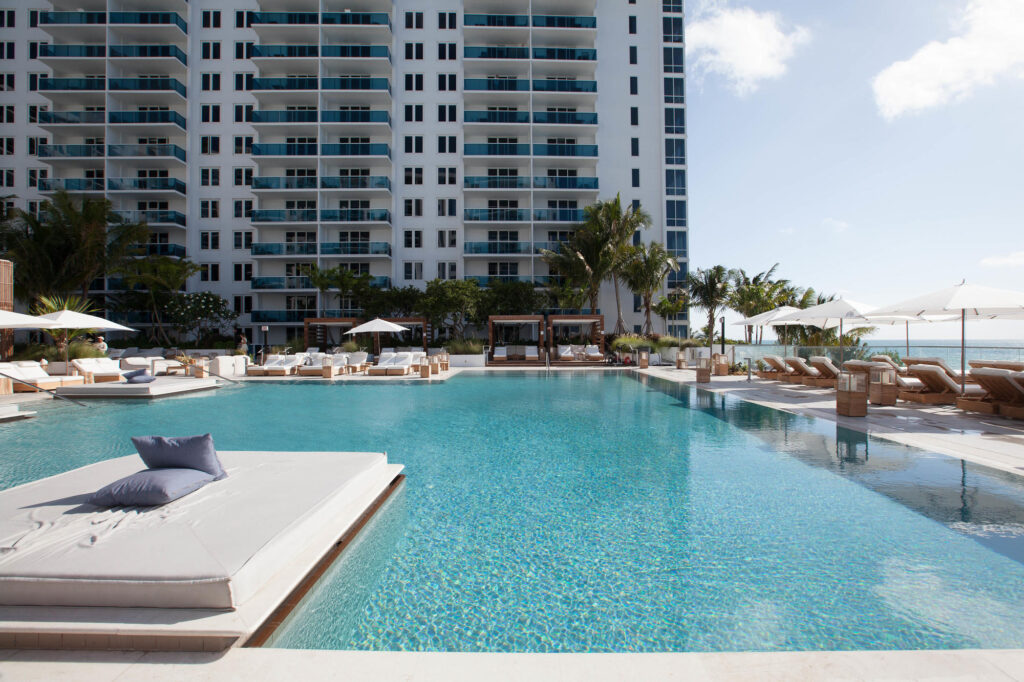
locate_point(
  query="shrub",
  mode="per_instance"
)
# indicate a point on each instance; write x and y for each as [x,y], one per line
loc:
[76,350]
[350,347]
[465,347]
[629,343]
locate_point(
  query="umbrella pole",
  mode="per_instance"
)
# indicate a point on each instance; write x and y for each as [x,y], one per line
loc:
[840,342]
[908,337]
[963,348]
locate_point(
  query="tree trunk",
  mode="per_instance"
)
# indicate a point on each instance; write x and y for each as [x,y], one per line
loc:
[711,330]
[647,315]
[620,324]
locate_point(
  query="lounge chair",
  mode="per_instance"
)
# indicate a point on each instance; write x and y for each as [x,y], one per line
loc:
[532,354]
[381,368]
[563,353]
[400,365]
[261,370]
[289,366]
[98,370]
[593,353]
[938,362]
[779,370]
[887,359]
[996,364]
[32,376]
[358,362]
[500,354]
[1000,390]
[938,387]
[828,371]
[312,349]
[802,372]
[314,365]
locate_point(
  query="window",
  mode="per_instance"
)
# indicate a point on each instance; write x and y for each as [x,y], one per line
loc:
[446,144]
[210,82]
[634,85]
[243,208]
[209,177]
[6,177]
[243,81]
[446,270]
[243,144]
[209,241]
[412,271]
[447,207]
[211,19]
[7,50]
[675,182]
[675,121]
[242,239]
[446,176]
[240,19]
[632,26]
[413,239]
[414,19]
[34,110]
[632,54]
[446,82]
[243,304]
[243,272]
[243,50]
[210,113]
[446,51]
[634,146]
[413,208]
[413,144]
[414,82]
[413,176]
[672,29]
[674,88]
[414,50]
[243,177]
[675,151]
[446,113]
[6,145]
[6,82]
[634,116]
[243,113]
[7,114]
[35,142]
[674,6]
[37,174]
[209,144]
[446,238]
[414,113]
[211,50]
[7,18]
[209,208]
[675,213]
[209,272]
[636,177]
[446,20]
[34,47]
[675,59]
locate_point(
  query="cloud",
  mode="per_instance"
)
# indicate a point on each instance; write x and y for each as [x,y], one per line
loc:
[743,46]
[989,45]
[1010,260]
[834,225]
[787,230]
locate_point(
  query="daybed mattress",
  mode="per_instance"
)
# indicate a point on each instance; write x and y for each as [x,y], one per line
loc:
[213,548]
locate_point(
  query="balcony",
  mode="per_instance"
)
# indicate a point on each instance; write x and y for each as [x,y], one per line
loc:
[149,18]
[72,117]
[283,18]
[356,19]
[496,149]
[553,182]
[285,215]
[148,85]
[298,282]
[71,184]
[579,118]
[539,247]
[355,249]
[356,83]
[285,51]
[368,215]
[497,248]
[283,249]
[122,150]
[72,84]
[496,117]
[503,215]
[284,182]
[147,117]
[355,116]
[285,116]
[356,52]
[555,85]
[284,149]
[149,52]
[71,151]
[565,53]
[356,182]
[370,149]
[471,52]
[153,217]
[497,20]
[586,150]
[72,51]
[496,182]
[294,316]
[497,84]
[71,18]
[176,250]
[564,22]
[146,185]
[487,280]
[285,83]
[558,215]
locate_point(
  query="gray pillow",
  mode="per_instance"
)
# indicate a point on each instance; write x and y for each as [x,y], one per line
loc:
[134,373]
[187,452]
[150,488]
[141,378]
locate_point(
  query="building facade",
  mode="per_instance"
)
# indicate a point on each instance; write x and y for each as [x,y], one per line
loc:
[407,139]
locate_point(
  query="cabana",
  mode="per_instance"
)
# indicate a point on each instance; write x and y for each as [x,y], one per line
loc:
[412,322]
[521,354]
[561,323]
[319,323]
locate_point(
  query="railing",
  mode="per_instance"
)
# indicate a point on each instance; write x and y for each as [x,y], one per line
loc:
[562,182]
[75,51]
[75,84]
[149,51]
[70,184]
[357,51]
[568,215]
[285,83]
[564,22]
[356,83]
[355,249]
[283,249]
[261,316]
[487,280]
[565,149]
[158,184]
[546,246]
[355,116]
[479,248]
[950,354]
[284,18]
[284,215]
[361,149]
[356,19]
[565,53]
[497,84]
[71,117]
[555,85]
[497,214]
[496,117]
[283,182]
[356,182]
[292,282]
[475,52]
[146,150]
[156,18]
[497,149]
[356,215]
[71,150]
[176,250]
[151,117]
[286,116]
[153,216]
[497,20]
[160,84]
[284,149]
[286,51]
[71,18]
[496,182]
[566,117]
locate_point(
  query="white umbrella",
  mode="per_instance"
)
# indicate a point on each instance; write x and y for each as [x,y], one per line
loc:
[69,319]
[966,300]
[763,319]
[377,326]
[9,320]
[831,314]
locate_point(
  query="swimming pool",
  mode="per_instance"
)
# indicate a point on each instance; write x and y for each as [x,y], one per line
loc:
[593,512]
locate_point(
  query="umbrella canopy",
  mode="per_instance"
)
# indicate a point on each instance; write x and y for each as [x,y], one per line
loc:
[377,325]
[830,314]
[69,319]
[764,318]
[9,320]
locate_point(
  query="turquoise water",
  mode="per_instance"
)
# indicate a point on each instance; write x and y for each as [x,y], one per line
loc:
[585,512]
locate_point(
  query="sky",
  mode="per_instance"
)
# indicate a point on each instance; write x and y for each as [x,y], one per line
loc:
[873,148]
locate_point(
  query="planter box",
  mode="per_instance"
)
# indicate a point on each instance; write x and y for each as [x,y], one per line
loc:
[478,360]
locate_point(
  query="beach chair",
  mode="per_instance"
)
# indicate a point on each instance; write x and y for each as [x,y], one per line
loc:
[937,362]
[358,362]
[593,353]
[288,367]
[401,364]
[532,354]
[381,368]
[1000,390]
[314,365]
[778,369]
[886,359]
[261,370]
[99,370]
[802,372]
[564,353]
[938,387]
[33,377]
[500,354]
[827,370]
[996,364]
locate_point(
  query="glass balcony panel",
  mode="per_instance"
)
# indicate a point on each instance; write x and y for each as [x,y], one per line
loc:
[176,250]
[158,18]
[565,149]
[568,215]
[566,117]
[496,182]
[274,116]
[496,117]
[538,247]
[149,84]
[286,51]
[270,182]
[357,51]
[71,150]
[565,53]
[72,117]
[283,249]
[129,117]
[497,84]
[496,20]
[548,182]
[284,18]
[496,149]
[147,51]
[497,214]
[486,280]
[175,217]
[472,52]
[549,21]
[146,150]
[298,282]
[355,116]
[357,182]
[70,184]
[355,249]
[553,85]
[260,316]
[58,18]
[356,19]
[84,51]
[356,83]
[285,83]
[285,215]
[356,215]
[371,149]
[90,84]
[284,149]
[159,184]
[497,248]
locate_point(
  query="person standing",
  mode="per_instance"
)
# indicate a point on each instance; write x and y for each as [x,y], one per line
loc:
[101,345]
[243,343]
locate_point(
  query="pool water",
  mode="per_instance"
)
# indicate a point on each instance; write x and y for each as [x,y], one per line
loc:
[591,512]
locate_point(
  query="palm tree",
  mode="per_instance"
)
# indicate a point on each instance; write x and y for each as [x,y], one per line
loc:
[752,295]
[585,261]
[669,306]
[160,278]
[645,271]
[617,226]
[52,304]
[322,281]
[710,289]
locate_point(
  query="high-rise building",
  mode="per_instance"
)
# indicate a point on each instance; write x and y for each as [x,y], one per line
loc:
[408,139]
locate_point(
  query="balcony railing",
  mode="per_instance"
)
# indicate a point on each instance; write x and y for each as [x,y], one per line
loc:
[176,250]
[72,84]
[283,249]
[153,18]
[559,215]
[497,149]
[355,116]
[293,282]
[284,215]
[356,19]
[149,84]
[497,214]
[146,150]
[555,85]
[540,21]
[149,51]
[146,184]
[579,118]
[284,182]
[172,217]
[355,249]
[356,215]
[496,248]
[496,182]
[68,151]
[356,51]
[497,84]
[284,149]
[148,117]
[565,53]
[284,18]
[474,52]
[285,51]
[360,149]
[554,182]
[71,184]
[285,83]
[285,116]
[496,117]
[71,18]
[72,51]
[356,182]
[539,247]
[266,316]
[487,280]
[356,83]
[497,20]
[71,117]
[565,150]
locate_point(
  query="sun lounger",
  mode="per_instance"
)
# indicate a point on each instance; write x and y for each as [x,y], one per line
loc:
[98,370]
[358,362]
[997,364]
[32,376]
[289,366]
[804,373]
[826,369]
[500,354]
[401,364]
[564,353]
[593,353]
[1000,390]
[381,368]
[938,362]
[886,359]
[313,366]
[778,369]
[261,370]
[532,354]
[939,388]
